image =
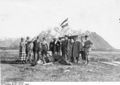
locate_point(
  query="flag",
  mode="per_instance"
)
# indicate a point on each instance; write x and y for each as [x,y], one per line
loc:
[63,26]
[64,23]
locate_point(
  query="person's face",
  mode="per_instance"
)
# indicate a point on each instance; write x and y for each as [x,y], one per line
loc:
[82,39]
[28,38]
[86,38]
[52,40]
[22,40]
[66,38]
[62,39]
[72,40]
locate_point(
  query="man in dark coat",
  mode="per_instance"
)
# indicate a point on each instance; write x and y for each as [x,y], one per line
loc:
[86,49]
[69,50]
[77,47]
[52,46]
[36,50]
[64,47]
[58,46]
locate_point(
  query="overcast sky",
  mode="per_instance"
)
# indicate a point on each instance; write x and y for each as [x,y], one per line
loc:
[29,17]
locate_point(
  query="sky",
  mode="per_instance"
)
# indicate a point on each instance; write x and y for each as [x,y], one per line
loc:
[29,17]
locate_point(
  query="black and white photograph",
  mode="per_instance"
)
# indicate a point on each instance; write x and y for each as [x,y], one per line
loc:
[59,41]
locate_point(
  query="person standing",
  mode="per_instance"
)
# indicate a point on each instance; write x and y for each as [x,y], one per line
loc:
[27,49]
[86,49]
[69,48]
[64,47]
[77,47]
[30,52]
[22,49]
[44,49]
[57,45]
[36,51]
[52,46]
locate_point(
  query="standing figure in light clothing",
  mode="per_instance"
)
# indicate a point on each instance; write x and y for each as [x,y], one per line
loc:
[27,49]
[22,51]
[44,49]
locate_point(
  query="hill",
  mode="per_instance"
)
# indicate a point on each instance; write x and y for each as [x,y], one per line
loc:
[99,42]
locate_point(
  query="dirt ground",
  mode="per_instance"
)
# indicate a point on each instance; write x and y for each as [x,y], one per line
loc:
[103,66]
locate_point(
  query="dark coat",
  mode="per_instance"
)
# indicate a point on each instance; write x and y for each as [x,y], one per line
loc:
[64,47]
[87,45]
[51,46]
[36,46]
[57,46]
[77,47]
[69,49]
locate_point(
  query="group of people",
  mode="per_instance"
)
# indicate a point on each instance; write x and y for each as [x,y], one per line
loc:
[30,51]
[68,49]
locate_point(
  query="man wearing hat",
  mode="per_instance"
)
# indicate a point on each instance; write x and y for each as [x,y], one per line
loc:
[64,48]
[69,49]
[86,49]
[36,50]
[77,47]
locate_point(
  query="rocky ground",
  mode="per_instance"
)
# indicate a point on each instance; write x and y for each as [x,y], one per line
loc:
[103,66]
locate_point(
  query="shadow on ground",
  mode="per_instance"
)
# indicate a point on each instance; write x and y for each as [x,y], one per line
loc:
[9,62]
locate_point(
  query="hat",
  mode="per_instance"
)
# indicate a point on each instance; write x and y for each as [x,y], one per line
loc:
[86,36]
[66,36]
[73,36]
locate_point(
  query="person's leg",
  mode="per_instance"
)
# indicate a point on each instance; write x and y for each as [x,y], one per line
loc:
[66,58]
[72,59]
[69,58]
[53,55]
[34,58]
[86,55]
[26,56]
[29,56]
[43,57]
[38,56]
[77,58]
[83,56]
[21,58]
[44,61]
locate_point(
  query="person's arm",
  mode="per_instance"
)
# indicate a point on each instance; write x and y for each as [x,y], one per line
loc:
[79,46]
[47,46]
[91,46]
[50,46]
[20,47]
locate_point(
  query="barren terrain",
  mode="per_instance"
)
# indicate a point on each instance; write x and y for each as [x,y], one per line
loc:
[103,66]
